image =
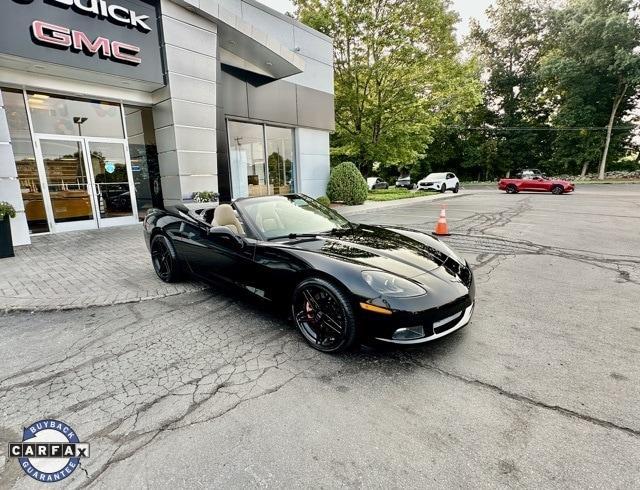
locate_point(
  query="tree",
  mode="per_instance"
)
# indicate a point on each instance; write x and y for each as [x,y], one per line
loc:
[595,73]
[398,74]
[515,101]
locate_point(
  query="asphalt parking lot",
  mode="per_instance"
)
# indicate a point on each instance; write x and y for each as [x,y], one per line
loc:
[212,389]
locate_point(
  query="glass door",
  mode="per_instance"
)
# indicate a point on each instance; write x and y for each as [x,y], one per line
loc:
[87,182]
[112,181]
[67,191]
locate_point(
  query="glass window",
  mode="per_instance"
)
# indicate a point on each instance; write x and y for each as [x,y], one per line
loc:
[248,170]
[144,158]
[75,117]
[280,156]
[250,175]
[25,160]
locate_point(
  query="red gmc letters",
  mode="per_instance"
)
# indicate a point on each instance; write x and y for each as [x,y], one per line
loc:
[64,37]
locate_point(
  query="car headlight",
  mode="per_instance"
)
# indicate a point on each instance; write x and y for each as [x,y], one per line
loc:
[392,285]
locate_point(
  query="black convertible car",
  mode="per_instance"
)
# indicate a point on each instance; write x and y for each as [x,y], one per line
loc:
[342,281]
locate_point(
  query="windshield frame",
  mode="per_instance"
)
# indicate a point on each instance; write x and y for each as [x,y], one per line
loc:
[246,217]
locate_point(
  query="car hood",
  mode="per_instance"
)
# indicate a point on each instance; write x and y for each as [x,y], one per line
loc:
[402,252]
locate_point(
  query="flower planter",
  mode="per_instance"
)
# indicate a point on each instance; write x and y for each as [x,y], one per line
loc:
[6,242]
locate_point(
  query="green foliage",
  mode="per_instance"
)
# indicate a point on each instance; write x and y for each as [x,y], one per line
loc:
[391,194]
[324,200]
[205,196]
[397,76]
[346,184]
[6,209]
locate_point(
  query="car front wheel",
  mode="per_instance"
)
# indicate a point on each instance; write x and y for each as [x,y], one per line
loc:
[324,315]
[557,190]
[511,189]
[164,259]
[443,189]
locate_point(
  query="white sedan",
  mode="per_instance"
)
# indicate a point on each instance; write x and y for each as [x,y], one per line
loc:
[441,182]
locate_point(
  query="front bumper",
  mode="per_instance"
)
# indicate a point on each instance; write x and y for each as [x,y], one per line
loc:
[440,328]
[435,186]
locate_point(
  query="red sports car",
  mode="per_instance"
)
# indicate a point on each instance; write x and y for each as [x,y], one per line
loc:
[536,183]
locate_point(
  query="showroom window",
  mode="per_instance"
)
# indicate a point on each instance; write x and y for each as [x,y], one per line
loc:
[52,114]
[262,159]
[25,158]
[143,151]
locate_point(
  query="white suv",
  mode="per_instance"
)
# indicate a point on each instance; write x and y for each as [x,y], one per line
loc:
[443,181]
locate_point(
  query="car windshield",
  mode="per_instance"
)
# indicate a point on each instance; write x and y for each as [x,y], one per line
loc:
[291,215]
[436,176]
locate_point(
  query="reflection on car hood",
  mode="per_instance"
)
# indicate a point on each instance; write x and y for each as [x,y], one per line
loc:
[403,252]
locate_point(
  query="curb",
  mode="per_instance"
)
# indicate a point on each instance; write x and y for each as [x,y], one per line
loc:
[344,209]
[23,309]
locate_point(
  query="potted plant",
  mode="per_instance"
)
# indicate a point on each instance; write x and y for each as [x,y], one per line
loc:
[7,211]
[205,196]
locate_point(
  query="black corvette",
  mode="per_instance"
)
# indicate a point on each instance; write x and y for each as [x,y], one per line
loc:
[342,281]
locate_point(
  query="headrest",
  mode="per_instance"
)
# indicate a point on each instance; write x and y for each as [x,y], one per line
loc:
[224,215]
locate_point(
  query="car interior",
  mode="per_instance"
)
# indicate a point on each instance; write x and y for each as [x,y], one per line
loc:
[225,215]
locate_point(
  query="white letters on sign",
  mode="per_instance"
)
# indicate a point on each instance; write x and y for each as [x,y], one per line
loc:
[102,9]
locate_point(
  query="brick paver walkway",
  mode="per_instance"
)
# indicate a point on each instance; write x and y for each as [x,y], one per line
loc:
[80,269]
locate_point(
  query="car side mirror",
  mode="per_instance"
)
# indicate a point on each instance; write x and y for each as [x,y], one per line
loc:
[226,234]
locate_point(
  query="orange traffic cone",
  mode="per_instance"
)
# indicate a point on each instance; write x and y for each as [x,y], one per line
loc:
[442,228]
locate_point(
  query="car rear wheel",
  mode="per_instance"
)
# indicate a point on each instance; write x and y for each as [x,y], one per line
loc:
[164,259]
[511,189]
[557,190]
[324,315]
[456,189]
[443,189]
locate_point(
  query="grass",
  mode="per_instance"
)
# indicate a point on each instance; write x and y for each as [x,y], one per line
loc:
[391,194]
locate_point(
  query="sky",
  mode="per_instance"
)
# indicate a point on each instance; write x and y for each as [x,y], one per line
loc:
[466,8]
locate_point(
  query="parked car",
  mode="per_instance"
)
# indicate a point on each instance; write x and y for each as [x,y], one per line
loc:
[536,184]
[405,182]
[376,183]
[340,281]
[441,182]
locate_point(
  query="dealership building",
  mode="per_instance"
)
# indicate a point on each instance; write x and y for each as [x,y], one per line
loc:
[111,107]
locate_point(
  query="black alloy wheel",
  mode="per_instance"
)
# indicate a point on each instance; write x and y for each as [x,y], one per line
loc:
[165,261]
[324,315]
[512,189]
[443,189]
[456,189]
[557,190]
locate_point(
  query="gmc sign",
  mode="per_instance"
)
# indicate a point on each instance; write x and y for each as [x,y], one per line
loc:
[78,41]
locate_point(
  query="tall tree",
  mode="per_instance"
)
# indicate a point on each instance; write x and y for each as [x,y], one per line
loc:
[397,75]
[510,50]
[594,70]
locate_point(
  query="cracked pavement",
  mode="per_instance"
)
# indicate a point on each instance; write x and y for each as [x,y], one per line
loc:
[215,389]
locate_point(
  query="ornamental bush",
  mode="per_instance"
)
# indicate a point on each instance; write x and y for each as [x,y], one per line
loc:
[346,184]
[324,200]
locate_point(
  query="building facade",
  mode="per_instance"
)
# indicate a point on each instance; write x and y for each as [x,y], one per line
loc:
[110,107]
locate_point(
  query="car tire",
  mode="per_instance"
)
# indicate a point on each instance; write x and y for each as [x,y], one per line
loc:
[511,189]
[557,190]
[443,189]
[310,300]
[456,189]
[164,259]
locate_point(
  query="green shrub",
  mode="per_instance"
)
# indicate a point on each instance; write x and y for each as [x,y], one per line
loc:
[6,209]
[324,200]
[346,184]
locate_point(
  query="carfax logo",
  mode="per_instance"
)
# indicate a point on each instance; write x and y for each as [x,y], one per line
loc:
[50,450]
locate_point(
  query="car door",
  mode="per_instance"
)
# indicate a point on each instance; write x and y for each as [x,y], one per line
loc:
[451,181]
[215,256]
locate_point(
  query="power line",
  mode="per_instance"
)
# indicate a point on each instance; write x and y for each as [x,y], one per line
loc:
[520,128]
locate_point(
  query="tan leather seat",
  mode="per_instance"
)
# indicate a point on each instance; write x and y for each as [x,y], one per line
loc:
[224,215]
